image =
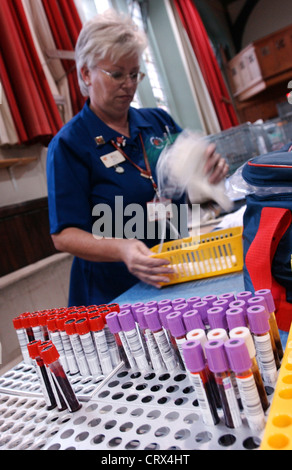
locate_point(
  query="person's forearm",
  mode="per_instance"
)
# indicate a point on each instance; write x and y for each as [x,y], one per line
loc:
[83,245]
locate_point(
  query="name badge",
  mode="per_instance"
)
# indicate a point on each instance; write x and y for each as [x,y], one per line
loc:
[112,159]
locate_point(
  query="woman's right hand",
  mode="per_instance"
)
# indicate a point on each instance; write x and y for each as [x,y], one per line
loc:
[137,257]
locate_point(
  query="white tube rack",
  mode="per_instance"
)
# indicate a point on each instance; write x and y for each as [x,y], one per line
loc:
[127,410]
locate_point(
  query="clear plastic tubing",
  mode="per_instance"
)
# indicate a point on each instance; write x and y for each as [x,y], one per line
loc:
[240,362]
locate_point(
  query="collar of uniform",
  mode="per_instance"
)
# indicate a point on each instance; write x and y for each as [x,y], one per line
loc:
[97,127]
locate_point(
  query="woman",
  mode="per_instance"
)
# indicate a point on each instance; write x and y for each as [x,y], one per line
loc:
[107,153]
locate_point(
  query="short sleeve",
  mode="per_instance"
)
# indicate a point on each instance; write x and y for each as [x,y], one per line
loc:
[68,180]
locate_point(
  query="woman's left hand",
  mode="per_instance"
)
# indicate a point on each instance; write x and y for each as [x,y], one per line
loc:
[216,167]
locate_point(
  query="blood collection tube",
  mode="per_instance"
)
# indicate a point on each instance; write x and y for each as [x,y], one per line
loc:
[96,324]
[264,342]
[166,349]
[110,338]
[240,362]
[25,317]
[154,353]
[192,320]
[267,295]
[224,303]
[135,307]
[124,351]
[68,349]
[192,300]
[113,307]
[77,347]
[83,329]
[182,308]
[200,335]
[227,296]
[221,334]
[202,308]
[218,364]
[240,304]
[43,325]
[210,299]
[140,307]
[36,329]
[22,339]
[217,318]
[178,331]
[245,334]
[244,295]
[196,364]
[41,370]
[178,301]
[56,339]
[235,317]
[217,333]
[151,304]
[125,306]
[61,404]
[51,357]
[163,303]
[162,313]
[128,325]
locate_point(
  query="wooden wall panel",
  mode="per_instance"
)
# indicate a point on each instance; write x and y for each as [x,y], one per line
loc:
[24,235]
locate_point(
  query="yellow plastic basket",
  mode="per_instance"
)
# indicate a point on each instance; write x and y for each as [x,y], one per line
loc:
[212,254]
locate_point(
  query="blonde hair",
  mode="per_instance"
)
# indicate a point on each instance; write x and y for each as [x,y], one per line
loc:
[110,35]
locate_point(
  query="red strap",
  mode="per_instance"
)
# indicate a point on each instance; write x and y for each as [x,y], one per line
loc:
[273,225]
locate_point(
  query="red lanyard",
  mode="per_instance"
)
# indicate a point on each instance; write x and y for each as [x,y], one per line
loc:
[145,173]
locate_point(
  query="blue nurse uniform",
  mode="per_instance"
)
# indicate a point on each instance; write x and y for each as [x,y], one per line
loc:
[79,181]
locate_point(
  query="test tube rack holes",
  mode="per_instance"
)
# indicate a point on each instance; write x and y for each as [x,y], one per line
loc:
[167,401]
[130,411]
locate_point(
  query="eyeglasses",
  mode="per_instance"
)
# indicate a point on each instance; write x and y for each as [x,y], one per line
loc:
[120,77]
